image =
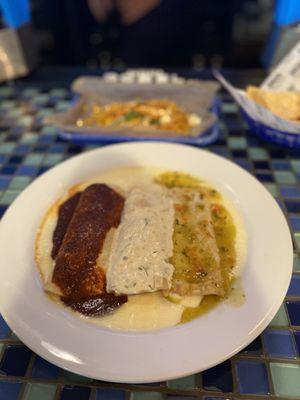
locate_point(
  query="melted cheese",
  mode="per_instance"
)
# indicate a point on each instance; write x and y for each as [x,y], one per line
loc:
[143,243]
[143,312]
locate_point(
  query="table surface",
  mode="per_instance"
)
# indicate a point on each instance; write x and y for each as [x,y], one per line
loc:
[269,368]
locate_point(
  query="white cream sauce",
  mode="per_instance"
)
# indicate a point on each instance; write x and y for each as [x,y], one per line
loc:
[142,243]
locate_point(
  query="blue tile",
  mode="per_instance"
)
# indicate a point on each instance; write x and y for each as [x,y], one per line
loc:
[222,151]
[254,348]
[244,163]
[297,340]
[293,308]
[218,378]
[294,288]
[42,170]
[57,148]
[15,159]
[293,206]
[44,370]
[22,149]
[75,393]
[290,191]
[46,139]
[295,223]
[282,165]
[9,390]
[8,169]
[110,394]
[4,181]
[264,177]
[279,343]
[27,170]
[4,329]
[252,377]
[2,158]
[261,165]
[2,210]
[15,360]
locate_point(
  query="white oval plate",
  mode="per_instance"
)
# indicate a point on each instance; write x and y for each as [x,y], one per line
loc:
[100,353]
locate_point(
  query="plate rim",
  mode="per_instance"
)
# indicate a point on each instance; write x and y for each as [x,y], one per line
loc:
[263,324]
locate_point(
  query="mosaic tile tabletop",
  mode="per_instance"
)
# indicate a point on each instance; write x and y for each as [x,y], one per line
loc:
[268,368]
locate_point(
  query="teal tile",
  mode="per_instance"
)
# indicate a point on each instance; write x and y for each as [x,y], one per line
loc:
[285,177]
[296,267]
[49,130]
[58,92]
[40,391]
[272,188]
[34,159]
[19,182]
[52,159]
[70,376]
[146,396]
[280,318]
[188,382]
[44,112]
[286,379]
[297,239]
[9,196]
[30,91]
[7,104]
[62,105]
[6,90]
[29,137]
[237,143]
[15,114]
[41,98]
[7,148]
[229,108]
[257,153]
[296,165]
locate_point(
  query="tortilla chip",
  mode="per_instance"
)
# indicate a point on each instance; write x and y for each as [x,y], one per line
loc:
[284,104]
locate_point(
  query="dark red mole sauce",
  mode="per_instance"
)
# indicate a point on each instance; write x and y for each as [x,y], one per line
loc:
[83,222]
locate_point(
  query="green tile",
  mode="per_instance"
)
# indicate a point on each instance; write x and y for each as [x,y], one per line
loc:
[9,196]
[29,137]
[296,165]
[296,267]
[44,112]
[58,92]
[30,91]
[297,239]
[1,346]
[229,107]
[19,182]
[6,90]
[70,376]
[286,379]
[7,148]
[7,104]
[13,336]
[237,143]
[40,391]
[257,153]
[34,159]
[52,159]
[41,98]
[188,382]
[146,396]
[49,130]
[285,177]
[62,105]
[280,318]
[272,188]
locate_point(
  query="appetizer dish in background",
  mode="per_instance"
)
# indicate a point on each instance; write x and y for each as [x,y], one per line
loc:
[154,113]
